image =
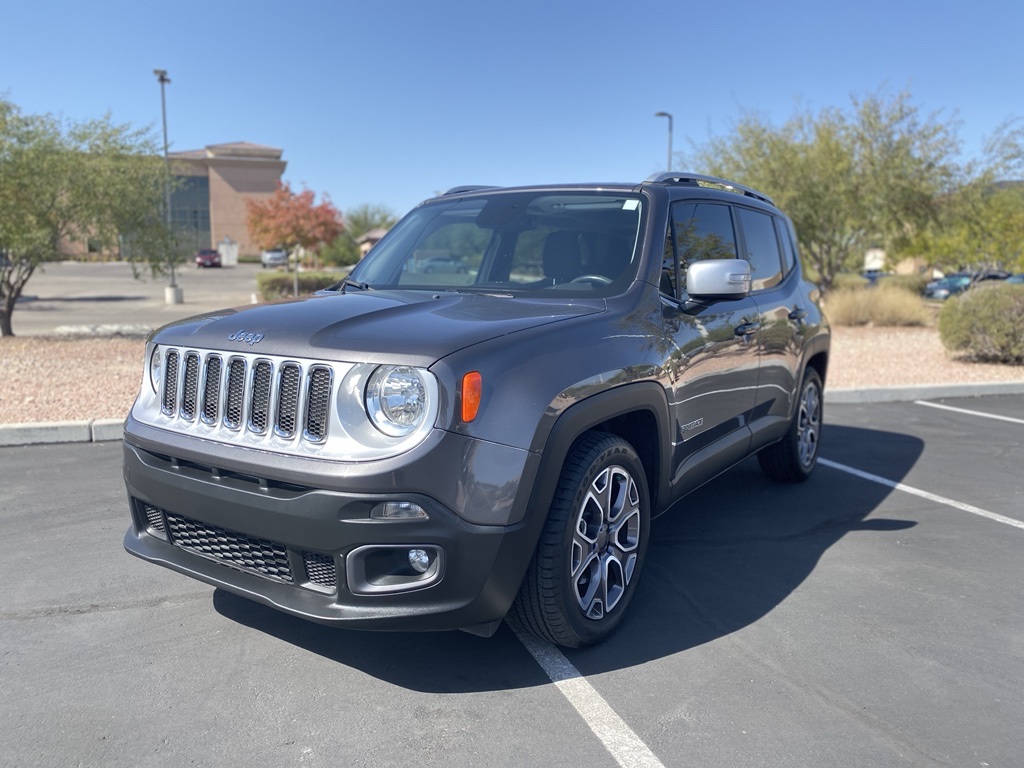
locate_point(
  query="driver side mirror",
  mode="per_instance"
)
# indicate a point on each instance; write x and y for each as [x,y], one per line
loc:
[716,280]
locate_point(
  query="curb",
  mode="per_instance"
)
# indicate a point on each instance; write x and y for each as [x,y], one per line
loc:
[93,431]
[105,430]
[865,395]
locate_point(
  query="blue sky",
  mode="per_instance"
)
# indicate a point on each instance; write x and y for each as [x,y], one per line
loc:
[389,102]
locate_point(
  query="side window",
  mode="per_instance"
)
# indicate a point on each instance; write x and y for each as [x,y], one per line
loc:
[702,231]
[669,268]
[762,248]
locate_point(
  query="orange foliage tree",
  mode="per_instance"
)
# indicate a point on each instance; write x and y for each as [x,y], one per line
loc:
[288,220]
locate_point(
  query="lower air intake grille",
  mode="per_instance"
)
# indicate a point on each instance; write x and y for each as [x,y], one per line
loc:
[320,569]
[262,556]
[155,518]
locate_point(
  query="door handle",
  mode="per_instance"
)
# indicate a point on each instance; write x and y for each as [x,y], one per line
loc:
[798,314]
[747,329]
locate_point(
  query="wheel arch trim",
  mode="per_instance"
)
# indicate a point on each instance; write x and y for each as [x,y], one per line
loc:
[605,410]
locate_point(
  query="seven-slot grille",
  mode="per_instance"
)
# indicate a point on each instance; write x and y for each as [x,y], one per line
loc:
[252,394]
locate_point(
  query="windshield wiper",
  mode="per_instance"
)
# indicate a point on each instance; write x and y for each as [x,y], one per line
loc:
[348,282]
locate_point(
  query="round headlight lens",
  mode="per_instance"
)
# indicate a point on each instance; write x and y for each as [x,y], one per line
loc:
[156,369]
[396,399]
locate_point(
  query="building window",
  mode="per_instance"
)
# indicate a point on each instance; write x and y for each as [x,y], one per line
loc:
[190,211]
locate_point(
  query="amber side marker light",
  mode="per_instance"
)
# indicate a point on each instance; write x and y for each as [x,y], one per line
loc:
[472,387]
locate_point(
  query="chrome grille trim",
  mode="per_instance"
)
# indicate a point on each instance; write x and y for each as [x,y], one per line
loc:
[289,381]
[259,396]
[170,383]
[233,408]
[254,396]
[211,389]
[285,405]
[190,387]
[318,403]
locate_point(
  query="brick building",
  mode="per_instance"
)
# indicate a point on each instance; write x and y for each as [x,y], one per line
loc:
[209,203]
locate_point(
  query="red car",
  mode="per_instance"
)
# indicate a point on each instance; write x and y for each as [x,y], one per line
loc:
[208,257]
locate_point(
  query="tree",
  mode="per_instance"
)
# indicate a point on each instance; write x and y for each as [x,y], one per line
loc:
[358,221]
[849,180]
[63,182]
[981,226]
[981,223]
[291,221]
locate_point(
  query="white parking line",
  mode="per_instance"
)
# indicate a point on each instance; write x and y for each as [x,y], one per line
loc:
[923,494]
[618,738]
[969,413]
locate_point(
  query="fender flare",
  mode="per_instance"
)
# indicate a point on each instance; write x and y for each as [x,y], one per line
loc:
[600,408]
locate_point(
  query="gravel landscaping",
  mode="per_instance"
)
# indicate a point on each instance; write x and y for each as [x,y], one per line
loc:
[62,379]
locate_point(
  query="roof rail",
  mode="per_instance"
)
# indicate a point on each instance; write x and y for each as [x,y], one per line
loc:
[695,179]
[467,188]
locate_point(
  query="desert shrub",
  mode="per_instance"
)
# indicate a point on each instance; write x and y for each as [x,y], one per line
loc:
[985,323]
[912,283]
[845,281]
[280,285]
[885,304]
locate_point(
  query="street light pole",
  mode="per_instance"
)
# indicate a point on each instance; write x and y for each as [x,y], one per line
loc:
[163,79]
[666,114]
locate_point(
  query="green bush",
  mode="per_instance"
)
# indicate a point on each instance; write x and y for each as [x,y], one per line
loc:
[280,285]
[985,323]
[884,305]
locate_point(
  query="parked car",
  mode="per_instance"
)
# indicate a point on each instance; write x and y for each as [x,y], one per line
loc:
[275,257]
[208,257]
[948,286]
[432,264]
[1018,278]
[958,282]
[406,454]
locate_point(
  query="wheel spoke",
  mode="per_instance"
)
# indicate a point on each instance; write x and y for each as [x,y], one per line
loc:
[809,424]
[605,537]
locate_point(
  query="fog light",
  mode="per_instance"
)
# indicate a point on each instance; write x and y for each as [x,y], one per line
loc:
[419,559]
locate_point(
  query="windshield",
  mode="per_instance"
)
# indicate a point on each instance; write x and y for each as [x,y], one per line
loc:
[558,244]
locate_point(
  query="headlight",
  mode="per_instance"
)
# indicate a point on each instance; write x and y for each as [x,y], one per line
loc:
[396,399]
[156,369]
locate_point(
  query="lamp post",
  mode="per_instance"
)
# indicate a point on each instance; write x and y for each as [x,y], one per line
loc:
[666,114]
[173,294]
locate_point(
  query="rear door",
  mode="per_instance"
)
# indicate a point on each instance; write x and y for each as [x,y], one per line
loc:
[776,288]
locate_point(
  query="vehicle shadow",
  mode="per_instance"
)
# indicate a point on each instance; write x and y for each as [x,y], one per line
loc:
[727,555]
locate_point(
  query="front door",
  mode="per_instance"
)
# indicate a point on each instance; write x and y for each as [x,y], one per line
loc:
[712,371]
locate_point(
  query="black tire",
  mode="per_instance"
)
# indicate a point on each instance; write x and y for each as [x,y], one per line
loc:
[793,458]
[585,571]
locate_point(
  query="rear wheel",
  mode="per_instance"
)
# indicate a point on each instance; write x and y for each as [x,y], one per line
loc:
[585,571]
[793,458]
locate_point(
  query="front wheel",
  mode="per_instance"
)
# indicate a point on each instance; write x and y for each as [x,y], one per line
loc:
[585,571]
[793,458]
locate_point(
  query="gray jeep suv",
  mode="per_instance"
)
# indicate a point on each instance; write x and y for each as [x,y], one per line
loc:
[423,449]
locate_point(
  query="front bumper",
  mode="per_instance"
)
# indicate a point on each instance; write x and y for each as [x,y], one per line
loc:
[315,552]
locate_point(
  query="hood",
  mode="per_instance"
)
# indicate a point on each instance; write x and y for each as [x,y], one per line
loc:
[410,327]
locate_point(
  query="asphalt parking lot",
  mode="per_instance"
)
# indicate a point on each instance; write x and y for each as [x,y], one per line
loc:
[66,297]
[872,616]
